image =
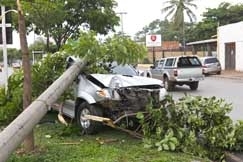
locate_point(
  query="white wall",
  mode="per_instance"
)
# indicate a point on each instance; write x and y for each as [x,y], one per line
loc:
[228,34]
[16,42]
[239,56]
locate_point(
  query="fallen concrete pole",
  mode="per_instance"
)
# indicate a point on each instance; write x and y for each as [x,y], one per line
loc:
[12,136]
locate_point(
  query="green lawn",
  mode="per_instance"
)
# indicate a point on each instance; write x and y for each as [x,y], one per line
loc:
[57,143]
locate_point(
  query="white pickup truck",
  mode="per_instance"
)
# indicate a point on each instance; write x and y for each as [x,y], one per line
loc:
[178,70]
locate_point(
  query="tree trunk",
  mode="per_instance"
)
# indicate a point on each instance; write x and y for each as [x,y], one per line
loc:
[14,133]
[29,141]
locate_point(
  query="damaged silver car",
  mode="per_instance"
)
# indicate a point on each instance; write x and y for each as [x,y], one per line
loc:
[111,98]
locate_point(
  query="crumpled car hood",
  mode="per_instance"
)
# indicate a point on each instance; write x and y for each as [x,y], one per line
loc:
[127,81]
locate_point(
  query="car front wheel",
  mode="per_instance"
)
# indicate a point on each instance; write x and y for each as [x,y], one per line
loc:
[169,86]
[88,126]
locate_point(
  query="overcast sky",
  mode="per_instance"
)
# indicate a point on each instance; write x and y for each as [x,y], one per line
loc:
[140,13]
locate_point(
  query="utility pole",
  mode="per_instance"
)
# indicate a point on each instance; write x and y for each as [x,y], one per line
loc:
[121,17]
[5,25]
[4,40]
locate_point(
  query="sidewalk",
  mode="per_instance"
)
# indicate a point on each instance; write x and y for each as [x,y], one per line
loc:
[230,74]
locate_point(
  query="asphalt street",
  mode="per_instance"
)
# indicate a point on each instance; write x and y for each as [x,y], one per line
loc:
[225,88]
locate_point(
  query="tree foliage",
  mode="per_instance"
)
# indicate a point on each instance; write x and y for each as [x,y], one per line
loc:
[165,28]
[44,73]
[214,17]
[61,20]
[224,14]
[13,54]
[195,125]
[177,9]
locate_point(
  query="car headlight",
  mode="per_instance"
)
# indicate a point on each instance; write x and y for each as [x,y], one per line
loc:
[115,83]
[103,93]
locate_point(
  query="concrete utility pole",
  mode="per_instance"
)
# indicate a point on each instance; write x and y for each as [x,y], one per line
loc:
[15,132]
[121,16]
[4,40]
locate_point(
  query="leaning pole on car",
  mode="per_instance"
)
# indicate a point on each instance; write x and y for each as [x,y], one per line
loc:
[12,136]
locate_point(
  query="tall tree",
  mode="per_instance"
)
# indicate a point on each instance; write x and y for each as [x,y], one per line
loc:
[29,140]
[224,14]
[177,9]
[61,20]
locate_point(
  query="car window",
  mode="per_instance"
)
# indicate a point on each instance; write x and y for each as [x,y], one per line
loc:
[161,63]
[156,63]
[124,70]
[188,62]
[169,62]
[211,60]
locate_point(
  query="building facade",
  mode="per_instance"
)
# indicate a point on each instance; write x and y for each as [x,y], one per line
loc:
[230,46]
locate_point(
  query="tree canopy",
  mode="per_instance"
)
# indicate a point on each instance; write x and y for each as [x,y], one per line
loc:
[165,28]
[224,14]
[214,17]
[60,20]
[177,9]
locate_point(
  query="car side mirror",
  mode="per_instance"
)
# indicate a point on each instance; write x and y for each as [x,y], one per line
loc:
[152,67]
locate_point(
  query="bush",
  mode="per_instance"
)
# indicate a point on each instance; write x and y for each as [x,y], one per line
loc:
[239,136]
[43,75]
[195,125]
[11,102]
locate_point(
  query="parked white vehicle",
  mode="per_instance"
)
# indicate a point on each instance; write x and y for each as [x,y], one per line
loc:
[211,65]
[178,71]
[116,96]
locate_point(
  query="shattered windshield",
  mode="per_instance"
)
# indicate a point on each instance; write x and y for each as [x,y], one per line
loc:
[124,70]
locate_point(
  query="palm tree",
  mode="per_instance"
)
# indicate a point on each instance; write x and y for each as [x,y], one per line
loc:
[177,9]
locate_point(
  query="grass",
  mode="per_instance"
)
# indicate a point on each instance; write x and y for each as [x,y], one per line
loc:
[57,143]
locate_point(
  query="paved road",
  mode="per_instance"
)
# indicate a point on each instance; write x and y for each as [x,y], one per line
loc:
[229,89]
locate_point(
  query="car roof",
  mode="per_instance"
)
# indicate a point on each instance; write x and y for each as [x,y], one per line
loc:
[205,57]
[178,56]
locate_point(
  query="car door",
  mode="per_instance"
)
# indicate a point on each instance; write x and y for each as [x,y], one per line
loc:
[158,69]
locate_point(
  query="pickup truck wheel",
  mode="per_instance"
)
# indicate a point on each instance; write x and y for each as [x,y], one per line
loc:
[169,86]
[88,126]
[194,85]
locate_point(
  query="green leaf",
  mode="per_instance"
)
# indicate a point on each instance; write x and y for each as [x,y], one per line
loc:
[165,147]
[172,146]
[140,115]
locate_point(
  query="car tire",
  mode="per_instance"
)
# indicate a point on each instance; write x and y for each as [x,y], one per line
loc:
[88,126]
[194,85]
[169,86]
[219,72]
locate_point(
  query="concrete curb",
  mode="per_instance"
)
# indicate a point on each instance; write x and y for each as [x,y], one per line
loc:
[228,77]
